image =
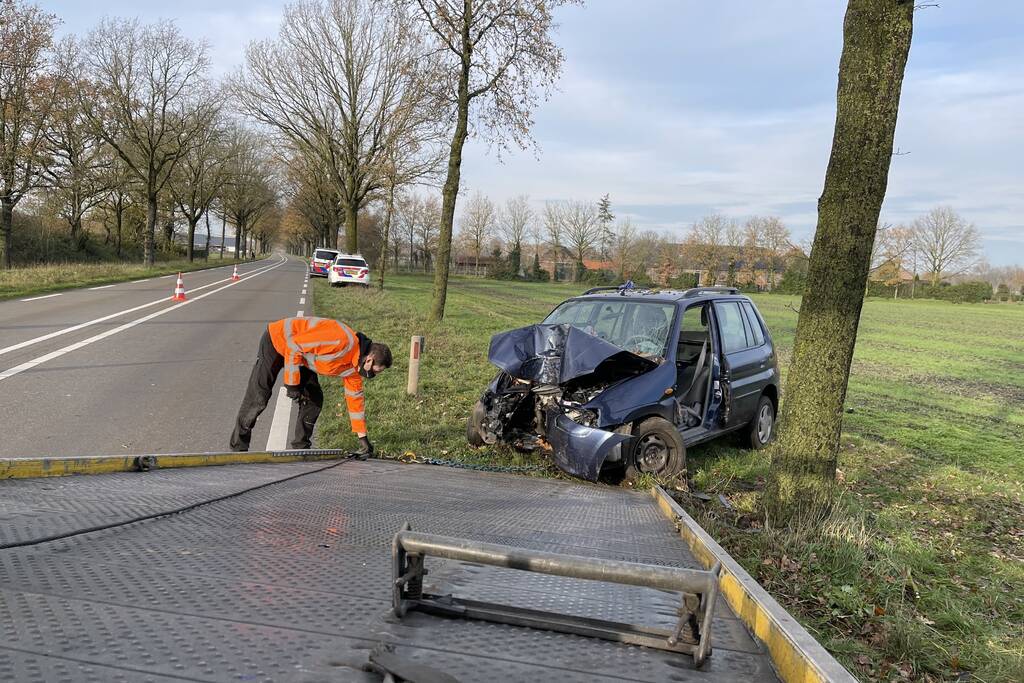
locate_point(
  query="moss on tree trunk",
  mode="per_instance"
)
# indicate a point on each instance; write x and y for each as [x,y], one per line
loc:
[351,228]
[876,42]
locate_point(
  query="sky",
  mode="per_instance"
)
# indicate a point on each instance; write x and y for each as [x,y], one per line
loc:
[680,108]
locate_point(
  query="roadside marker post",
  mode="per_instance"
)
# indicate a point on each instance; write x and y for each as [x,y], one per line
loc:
[415,350]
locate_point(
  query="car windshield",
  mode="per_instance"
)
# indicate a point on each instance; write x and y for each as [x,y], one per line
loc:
[324,255]
[641,327]
[351,262]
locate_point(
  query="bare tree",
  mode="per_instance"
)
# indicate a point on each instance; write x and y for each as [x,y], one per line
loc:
[516,223]
[493,61]
[625,248]
[648,249]
[478,223]
[78,161]
[555,234]
[581,231]
[337,84]
[947,243]
[876,42]
[771,238]
[150,101]
[705,245]
[427,230]
[314,197]
[121,195]
[27,83]
[248,190]
[199,178]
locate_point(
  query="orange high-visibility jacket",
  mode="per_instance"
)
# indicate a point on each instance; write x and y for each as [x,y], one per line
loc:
[327,347]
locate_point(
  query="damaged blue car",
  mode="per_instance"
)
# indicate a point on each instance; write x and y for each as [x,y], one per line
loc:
[628,378]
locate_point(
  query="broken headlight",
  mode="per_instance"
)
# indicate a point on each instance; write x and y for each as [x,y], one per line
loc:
[587,418]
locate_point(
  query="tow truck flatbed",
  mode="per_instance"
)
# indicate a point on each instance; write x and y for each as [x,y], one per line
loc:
[293,581]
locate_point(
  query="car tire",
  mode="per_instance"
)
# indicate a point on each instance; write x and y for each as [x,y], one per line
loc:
[473,435]
[762,427]
[657,449]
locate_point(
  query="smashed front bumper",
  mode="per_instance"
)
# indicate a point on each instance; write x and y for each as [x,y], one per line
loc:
[580,450]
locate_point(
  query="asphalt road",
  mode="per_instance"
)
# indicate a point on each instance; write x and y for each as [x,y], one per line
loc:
[123,369]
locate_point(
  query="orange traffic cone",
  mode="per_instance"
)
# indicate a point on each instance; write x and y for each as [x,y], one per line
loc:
[234,276]
[179,290]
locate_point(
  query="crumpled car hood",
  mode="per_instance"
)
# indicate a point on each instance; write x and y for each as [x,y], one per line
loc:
[556,354]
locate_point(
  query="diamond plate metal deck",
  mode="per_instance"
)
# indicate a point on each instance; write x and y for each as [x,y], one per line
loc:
[292,582]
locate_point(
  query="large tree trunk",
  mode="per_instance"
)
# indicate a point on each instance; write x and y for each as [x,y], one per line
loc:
[351,229]
[876,41]
[388,215]
[150,237]
[6,224]
[207,256]
[119,219]
[223,229]
[190,249]
[450,193]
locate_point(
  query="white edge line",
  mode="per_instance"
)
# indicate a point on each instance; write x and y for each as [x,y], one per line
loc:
[28,365]
[103,287]
[278,439]
[37,298]
[88,323]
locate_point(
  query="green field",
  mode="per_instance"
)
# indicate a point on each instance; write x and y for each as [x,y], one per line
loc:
[920,573]
[32,280]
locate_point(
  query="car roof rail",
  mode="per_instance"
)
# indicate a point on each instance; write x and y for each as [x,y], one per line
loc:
[697,291]
[614,288]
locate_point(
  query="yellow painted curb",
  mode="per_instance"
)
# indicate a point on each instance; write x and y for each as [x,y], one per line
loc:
[796,655]
[27,468]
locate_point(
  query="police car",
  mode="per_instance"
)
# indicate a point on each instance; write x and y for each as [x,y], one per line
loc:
[321,262]
[349,269]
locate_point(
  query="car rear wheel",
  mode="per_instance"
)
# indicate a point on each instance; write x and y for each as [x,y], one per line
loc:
[762,427]
[657,449]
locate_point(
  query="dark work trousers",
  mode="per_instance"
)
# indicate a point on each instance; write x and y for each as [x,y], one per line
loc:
[261,385]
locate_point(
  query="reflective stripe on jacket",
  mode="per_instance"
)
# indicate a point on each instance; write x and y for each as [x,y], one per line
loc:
[327,347]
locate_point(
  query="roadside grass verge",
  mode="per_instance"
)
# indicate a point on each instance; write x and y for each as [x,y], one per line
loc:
[29,281]
[918,575]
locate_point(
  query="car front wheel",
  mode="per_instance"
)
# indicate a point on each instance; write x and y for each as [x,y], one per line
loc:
[762,427]
[657,449]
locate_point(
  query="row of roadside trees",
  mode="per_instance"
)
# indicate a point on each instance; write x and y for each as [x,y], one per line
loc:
[119,124]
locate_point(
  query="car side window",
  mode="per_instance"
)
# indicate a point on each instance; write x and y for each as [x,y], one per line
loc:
[754,324]
[692,320]
[730,325]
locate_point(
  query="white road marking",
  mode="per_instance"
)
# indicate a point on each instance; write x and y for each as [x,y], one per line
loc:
[135,282]
[278,439]
[164,277]
[37,298]
[18,369]
[302,300]
[103,287]
[79,326]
